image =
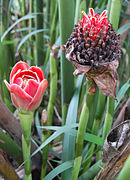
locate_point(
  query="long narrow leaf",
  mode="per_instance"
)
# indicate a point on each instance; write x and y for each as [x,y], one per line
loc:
[124,28]
[55,135]
[14,24]
[27,36]
[59,169]
[68,151]
[122,92]
[92,171]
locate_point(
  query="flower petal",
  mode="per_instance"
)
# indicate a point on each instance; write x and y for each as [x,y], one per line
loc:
[91,11]
[7,85]
[38,71]
[38,96]
[20,98]
[19,81]
[20,65]
[31,87]
[25,73]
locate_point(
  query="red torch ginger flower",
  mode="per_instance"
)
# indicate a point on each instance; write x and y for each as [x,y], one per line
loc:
[27,86]
[95,24]
[94,49]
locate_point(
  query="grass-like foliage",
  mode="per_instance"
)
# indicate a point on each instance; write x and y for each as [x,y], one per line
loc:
[70,126]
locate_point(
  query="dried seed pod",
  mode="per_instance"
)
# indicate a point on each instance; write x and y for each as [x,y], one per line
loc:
[97,49]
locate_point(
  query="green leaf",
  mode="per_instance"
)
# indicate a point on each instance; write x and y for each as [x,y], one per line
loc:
[29,16]
[10,42]
[124,28]
[23,29]
[94,139]
[60,131]
[122,92]
[37,123]
[27,36]
[89,137]
[54,128]
[125,172]
[92,171]
[59,169]
[10,146]
[68,151]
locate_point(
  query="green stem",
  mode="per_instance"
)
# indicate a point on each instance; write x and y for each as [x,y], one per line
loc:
[92,105]
[92,171]
[26,123]
[125,172]
[115,13]
[108,8]
[77,11]
[96,124]
[30,26]
[80,140]
[53,30]
[50,108]
[53,26]
[90,3]
[80,136]
[66,18]
[114,19]
[99,112]
[39,36]
[109,117]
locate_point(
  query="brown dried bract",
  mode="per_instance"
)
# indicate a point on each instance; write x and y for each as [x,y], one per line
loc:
[116,149]
[104,75]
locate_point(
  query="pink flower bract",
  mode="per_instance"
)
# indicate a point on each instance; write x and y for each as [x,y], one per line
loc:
[27,86]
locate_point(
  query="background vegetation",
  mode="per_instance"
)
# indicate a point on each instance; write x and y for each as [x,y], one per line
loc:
[34,31]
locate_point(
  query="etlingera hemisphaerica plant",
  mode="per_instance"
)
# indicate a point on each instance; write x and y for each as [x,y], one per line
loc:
[94,49]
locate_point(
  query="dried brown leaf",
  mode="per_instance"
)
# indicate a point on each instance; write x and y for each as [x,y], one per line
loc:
[107,84]
[116,149]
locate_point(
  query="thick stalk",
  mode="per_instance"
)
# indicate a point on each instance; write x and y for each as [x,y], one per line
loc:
[80,140]
[26,123]
[66,18]
[92,171]
[52,34]
[77,11]
[115,13]
[109,117]
[80,136]
[6,52]
[96,124]
[114,19]
[92,105]
[99,112]
[30,26]
[53,26]
[39,36]
[50,108]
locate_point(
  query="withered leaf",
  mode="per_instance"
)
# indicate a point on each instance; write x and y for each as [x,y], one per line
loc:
[106,83]
[116,149]
[104,74]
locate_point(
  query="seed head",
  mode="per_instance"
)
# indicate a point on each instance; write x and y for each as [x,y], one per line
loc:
[94,49]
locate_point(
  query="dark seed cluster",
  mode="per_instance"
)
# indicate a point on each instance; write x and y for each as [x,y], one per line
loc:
[89,52]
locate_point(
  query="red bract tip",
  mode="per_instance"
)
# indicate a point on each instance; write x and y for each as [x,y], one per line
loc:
[94,24]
